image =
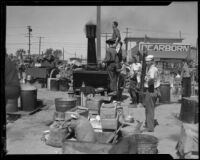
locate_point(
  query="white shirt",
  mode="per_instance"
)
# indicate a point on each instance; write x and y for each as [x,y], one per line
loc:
[136,68]
[153,74]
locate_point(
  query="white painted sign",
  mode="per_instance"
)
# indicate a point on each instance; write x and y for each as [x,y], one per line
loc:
[164,47]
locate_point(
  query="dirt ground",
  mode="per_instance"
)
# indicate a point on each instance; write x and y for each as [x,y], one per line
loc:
[24,135]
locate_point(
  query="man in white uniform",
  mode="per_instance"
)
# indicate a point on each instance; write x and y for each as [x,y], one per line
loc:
[152,84]
[135,70]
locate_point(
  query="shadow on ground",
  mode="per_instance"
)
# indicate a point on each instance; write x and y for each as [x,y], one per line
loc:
[174,137]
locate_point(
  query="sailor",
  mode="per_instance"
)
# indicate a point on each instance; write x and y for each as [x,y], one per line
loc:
[135,69]
[152,92]
[111,60]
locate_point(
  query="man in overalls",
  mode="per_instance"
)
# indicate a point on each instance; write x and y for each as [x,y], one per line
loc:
[152,84]
[111,60]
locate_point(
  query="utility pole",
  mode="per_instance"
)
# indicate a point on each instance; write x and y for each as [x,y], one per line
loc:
[127,32]
[180,34]
[98,34]
[63,53]
[29,40]
[106,35]
[40,44]
[75,54]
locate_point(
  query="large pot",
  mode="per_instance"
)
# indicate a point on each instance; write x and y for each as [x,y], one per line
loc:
[28,97]
[65,104]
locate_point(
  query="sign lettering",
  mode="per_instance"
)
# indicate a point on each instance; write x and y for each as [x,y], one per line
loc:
[164,47]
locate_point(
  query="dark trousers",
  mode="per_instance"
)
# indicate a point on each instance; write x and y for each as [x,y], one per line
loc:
[149,103]
[186,87]
[133,91]
[113,75]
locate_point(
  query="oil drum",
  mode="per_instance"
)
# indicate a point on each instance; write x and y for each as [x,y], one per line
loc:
[28,98]
[12,105]
[165,93]
[65,104]
[189,110]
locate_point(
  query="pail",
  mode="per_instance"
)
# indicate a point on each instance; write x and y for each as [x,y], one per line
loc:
[53,84]
[65,104]
[28,98]
[165,92]
[12,105]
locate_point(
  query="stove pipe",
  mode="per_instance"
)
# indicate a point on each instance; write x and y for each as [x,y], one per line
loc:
[91,49]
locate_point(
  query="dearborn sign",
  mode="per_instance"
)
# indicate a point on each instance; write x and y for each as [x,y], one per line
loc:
[164,47]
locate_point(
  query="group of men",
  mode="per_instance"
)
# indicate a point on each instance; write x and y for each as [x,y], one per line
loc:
[115,64]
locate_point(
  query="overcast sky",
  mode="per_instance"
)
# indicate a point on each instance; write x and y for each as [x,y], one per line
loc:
[63,26]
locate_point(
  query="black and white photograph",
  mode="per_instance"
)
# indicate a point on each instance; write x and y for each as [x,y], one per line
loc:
[102,79]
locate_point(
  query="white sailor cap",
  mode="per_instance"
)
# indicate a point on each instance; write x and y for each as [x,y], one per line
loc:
[149,58]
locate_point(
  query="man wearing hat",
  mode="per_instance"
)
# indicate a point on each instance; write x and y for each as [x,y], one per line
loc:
[151,85]
[111,60]
[186,78]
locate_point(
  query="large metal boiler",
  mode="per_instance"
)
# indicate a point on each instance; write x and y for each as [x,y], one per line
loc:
[91,75]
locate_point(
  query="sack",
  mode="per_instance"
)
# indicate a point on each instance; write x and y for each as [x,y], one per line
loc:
[83,129]
[57,135]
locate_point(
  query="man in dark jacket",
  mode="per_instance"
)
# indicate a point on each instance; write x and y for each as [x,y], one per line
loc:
[111,60]
[12,85]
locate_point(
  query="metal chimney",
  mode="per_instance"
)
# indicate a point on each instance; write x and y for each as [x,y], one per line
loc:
[91,49]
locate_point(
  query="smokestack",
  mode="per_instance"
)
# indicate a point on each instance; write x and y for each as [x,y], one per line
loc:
[91,50]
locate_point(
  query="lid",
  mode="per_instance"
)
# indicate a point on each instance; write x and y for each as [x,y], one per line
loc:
[109,105]
[66,99]
[27,87]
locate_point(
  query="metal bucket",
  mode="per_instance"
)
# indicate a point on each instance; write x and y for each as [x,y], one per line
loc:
[12,105]
[28,100]
[65,104]
[165,93]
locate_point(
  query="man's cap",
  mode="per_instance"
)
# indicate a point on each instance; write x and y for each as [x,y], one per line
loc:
[149,58]
[110,41]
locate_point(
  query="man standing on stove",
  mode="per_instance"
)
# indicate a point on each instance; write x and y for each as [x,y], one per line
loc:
[111,60]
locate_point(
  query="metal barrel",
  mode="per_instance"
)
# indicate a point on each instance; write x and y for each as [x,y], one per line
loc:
[65,104]
[165,93]
[28,100]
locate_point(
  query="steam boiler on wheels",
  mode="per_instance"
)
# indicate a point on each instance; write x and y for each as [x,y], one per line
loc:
[92,74]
